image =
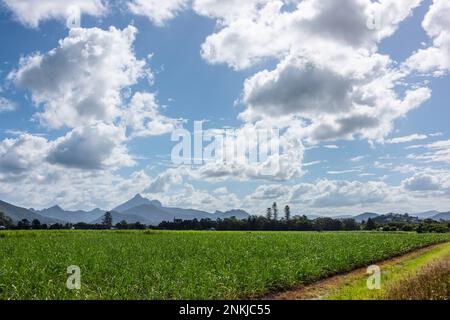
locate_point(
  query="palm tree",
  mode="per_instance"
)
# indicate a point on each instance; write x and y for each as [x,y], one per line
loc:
[370,225]
[275,211]
[269,214]
[107,219]
[287,213]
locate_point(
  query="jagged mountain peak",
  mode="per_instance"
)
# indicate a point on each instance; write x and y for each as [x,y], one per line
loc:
[137,200]
[56,207]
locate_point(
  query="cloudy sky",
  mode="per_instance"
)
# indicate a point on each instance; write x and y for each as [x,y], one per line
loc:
[358,89]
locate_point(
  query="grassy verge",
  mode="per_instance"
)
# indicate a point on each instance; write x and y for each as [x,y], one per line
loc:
[420,276]
[431,283]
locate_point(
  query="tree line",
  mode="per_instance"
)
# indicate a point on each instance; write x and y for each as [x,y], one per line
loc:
[270,222]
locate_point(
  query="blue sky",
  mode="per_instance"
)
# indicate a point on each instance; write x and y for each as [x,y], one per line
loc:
[86,114]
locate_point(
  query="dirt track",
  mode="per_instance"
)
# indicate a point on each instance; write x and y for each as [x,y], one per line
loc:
[321,289]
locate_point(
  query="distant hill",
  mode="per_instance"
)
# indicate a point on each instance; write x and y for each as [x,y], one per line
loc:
[148,214]
[137,201]
[17,214]
[435,215]
[365,216]
[239,214]
[137,209]
[313,216]
[425,215]
[153,212]
[119,217]
[58,213]
[185,214]
[395,217]
[343,217]
[444,216]
[358,218]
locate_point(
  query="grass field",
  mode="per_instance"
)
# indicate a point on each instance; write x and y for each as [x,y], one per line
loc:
[185,265]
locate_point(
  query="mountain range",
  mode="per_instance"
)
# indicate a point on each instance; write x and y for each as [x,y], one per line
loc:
[365,216]
[138,209]
[426,214]
[59,214]
[152,212]
[18,213]
[443,216]
[434,215]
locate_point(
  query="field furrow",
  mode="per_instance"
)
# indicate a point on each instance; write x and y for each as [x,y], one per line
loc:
[186,265]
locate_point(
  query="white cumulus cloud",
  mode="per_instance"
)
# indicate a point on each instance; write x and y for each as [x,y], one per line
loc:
[33,12]
[159,12]
[82,79]
[143,116]
[435,58]
[92,147]
[422,182]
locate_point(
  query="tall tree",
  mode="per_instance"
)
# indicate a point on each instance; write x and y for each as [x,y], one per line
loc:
[107,219]
[370,225]
[269,214]
[5,221]
[275,211]
[36,224]
[24,224]
[287,213]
